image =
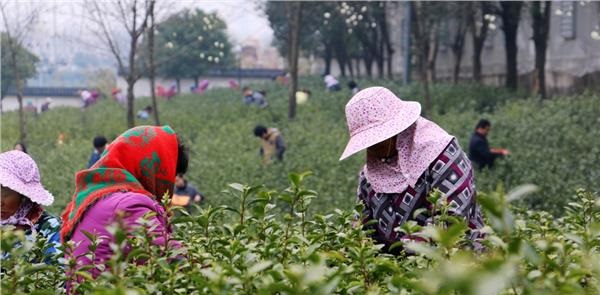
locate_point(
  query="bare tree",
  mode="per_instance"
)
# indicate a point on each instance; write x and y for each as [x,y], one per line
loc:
[294,10]
[132,16]
[541,19]
[16,30]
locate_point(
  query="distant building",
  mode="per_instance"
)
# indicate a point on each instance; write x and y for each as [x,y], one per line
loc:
[254,55]
[249,57]
[270,59]
[572,53]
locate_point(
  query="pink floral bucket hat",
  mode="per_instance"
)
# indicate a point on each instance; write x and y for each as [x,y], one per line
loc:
[19,172]
[375,114]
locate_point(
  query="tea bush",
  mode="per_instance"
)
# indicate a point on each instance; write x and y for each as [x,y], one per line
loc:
[245,249]
[555,143]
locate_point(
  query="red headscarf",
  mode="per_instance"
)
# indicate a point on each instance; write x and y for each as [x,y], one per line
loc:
[142,160]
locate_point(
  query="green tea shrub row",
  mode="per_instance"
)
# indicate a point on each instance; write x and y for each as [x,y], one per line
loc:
[554,144]
[250,247]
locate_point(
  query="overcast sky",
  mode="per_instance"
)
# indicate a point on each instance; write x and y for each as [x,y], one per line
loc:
[65,21]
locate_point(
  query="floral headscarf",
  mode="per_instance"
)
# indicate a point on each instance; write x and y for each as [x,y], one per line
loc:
[142,160]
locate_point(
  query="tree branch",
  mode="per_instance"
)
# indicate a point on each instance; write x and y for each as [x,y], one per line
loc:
[121,9]
[105,34]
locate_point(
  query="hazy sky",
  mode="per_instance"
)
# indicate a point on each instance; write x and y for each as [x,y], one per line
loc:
[65,21]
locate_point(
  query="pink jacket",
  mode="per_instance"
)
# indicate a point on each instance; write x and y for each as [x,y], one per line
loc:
[133,206]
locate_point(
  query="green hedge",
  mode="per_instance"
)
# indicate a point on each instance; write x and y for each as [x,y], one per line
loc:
[247,249]
[554,144]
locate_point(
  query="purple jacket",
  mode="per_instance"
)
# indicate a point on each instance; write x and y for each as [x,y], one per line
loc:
[103,213]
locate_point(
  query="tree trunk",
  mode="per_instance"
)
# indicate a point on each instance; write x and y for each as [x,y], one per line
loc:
[386,39]
[131,80]
[294,9]
[368,67]
[327,58]
[380,64]
[349,63]
[458,45]
[152,67]
[476,59]
[178,85]
[358,67]
[341,66]
[14,45]
[457,66]
[134,29]
[479,31]
[389,65]
[196,80]
[422,51]
[432,53]
[19,88]
[22,118]
[341,56]
[511,18]
[130,104]
[511,53]
[3,93]
[423,73]
[380,58]
[406,42]
[372,50]
[368,60]
[540,27]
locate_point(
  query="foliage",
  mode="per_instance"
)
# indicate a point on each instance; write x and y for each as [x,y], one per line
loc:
[324,31]
[554,144]
[189,43]
[308,34]
[25,63]
[341,30]
[246,249]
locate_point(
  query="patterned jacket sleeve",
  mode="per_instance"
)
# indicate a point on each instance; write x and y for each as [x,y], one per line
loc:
[49,228]
[54,239]
[453,175]
[362,196]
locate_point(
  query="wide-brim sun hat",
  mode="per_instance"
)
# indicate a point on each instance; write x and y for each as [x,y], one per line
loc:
[19,172]
[375,114]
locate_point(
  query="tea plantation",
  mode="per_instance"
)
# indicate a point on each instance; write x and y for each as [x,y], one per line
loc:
[554,143]
[290,233]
